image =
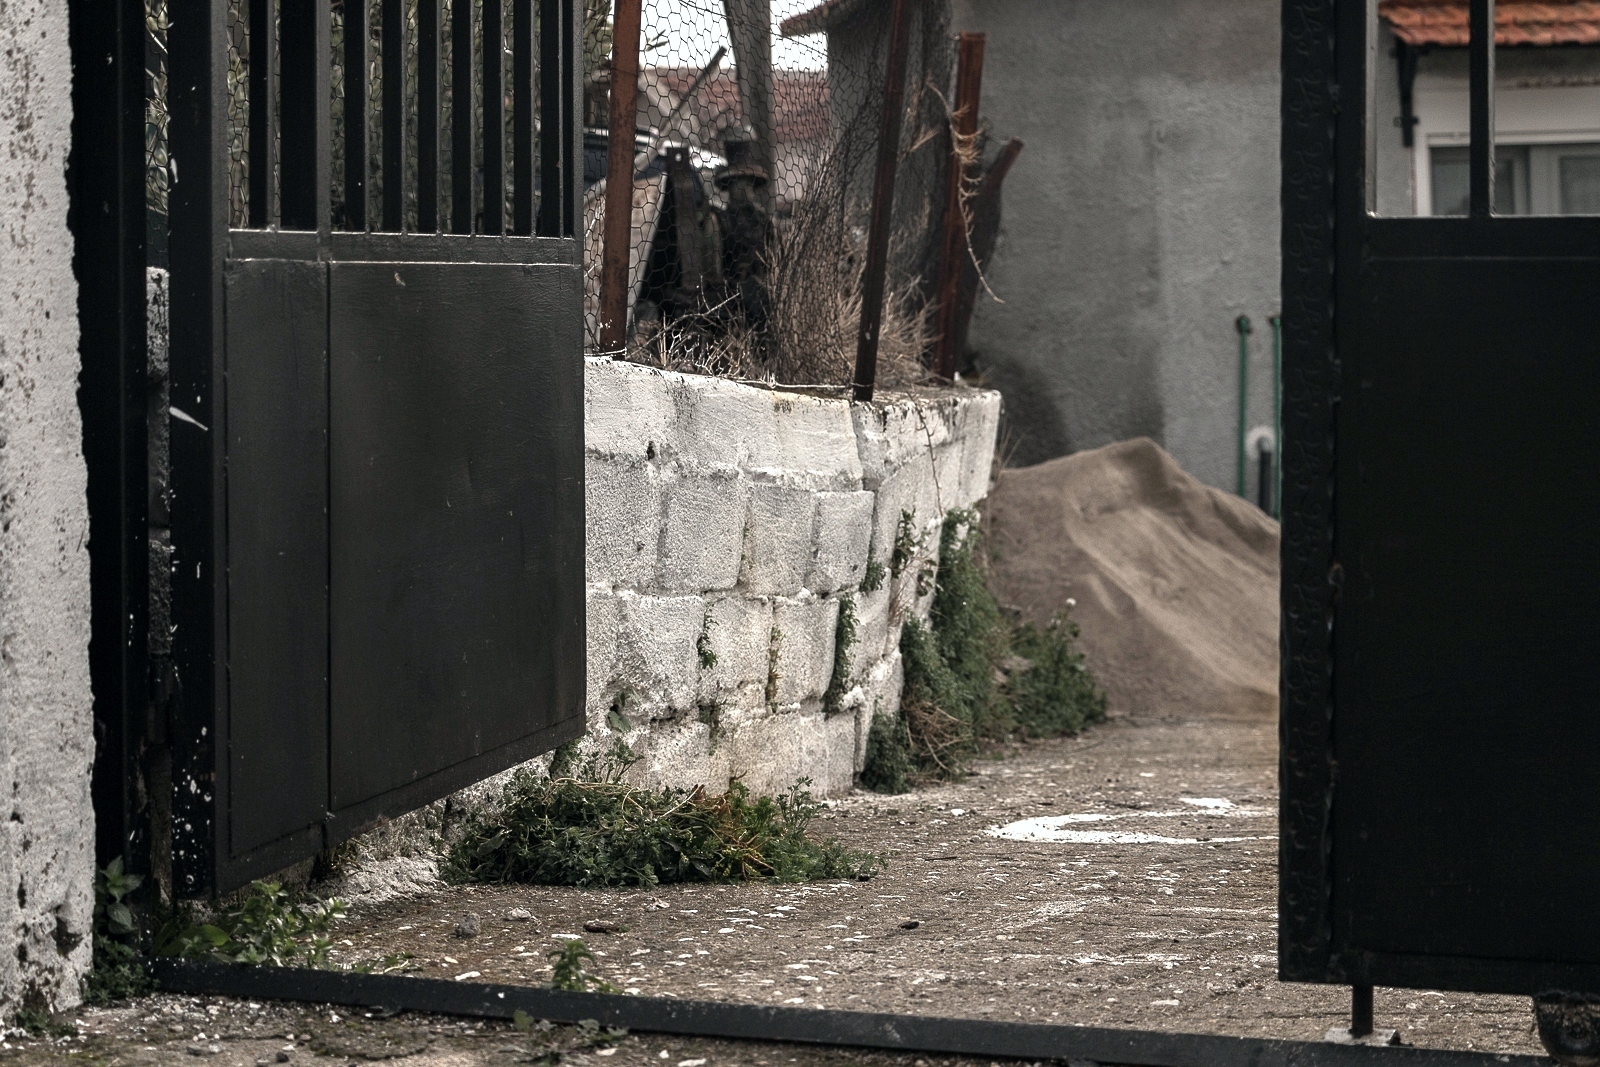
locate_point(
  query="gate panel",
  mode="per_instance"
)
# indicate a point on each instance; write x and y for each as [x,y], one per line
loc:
[1469,535]
[277,431]
[457,525]
[377,443]
[1441,558]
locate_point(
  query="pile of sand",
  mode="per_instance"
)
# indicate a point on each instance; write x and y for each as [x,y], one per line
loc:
[1176,583]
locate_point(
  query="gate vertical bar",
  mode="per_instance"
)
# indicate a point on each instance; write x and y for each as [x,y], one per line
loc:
[462,82]
[522,46]
[571,122]
[198,212]
[106,184]
[427,116]
[552,93]
[877,265]
[304,114]
[263,112]
[494,124]
[1313,32]
[356,194]
[1480,48]
[394,115]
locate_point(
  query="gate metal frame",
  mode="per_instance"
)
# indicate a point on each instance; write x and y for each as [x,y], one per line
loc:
[1328,237]
[201,247]
[107,216]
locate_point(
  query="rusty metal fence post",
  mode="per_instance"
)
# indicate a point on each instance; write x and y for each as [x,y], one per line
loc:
[618,247]
[877,265]
[953,255]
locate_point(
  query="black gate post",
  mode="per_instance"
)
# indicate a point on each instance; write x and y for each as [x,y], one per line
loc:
[198,218]
[106,181]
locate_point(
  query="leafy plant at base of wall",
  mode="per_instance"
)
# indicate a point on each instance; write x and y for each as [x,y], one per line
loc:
[888,767]
[1051,693]
[972,636]
[950,703]
[568,974]
[844,639]
[267,926]
[607,833]
[115,973]
[42,1023]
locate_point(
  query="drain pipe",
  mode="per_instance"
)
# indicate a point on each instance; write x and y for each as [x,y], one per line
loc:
[1242,324]
[1277,416]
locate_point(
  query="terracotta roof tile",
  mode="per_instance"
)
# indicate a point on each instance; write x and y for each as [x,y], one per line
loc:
[1516,22]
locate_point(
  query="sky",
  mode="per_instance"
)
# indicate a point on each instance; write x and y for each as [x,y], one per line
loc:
[694,28]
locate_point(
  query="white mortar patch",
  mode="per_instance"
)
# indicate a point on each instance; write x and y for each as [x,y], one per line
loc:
[1047,828]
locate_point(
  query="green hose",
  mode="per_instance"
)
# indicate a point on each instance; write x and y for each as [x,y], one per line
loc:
[1242,324]
[1277,416]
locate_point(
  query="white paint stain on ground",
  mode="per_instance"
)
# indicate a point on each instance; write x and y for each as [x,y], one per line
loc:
[1060,828]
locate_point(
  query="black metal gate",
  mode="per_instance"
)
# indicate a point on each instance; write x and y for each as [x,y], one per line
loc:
[376,388]
[1441,715]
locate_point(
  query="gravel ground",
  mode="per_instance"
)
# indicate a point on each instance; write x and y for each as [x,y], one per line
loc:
[1145,897]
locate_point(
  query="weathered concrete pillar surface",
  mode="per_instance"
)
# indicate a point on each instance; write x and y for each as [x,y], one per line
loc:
[46,733]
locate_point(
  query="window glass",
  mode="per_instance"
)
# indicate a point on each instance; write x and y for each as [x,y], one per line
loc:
[1580,184]
[1449,170]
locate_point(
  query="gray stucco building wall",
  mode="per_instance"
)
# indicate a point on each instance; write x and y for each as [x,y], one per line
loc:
[46,732]
[1139,222]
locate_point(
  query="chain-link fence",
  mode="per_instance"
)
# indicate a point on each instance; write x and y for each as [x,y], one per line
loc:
[753,184]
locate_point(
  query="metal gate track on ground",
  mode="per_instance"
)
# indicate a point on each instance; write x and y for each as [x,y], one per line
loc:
[810,1026]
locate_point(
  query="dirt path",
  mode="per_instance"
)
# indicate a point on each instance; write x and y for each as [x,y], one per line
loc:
[1153,906]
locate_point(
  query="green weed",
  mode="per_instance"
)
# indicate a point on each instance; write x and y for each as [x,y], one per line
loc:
[115,973]
[702,645]
[568,973]
[268,926]
[872,577]
[844,639]
[1051,692]
[908,541]
[606,833]
[888,767]
[951,704]
[42,1023]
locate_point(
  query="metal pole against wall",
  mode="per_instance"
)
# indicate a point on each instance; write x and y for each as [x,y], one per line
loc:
[618,247]
[953,256]
[894,90]
[1242,324]
[1277,416]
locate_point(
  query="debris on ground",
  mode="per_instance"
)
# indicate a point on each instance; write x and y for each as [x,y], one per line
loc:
[1174,583]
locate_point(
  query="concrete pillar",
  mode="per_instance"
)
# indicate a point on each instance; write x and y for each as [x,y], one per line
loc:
[46,731]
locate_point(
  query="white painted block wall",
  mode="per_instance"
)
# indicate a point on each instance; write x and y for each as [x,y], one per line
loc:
[725,525]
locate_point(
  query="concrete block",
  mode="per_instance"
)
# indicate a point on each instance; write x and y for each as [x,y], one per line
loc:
[805,629]
[656,656]
[703,522]
[873,637]
[907,491]
[777,543]
[622,499]
[628,410]
[676,755]
[771,753]
[737,635]
[603,622]
[843,539]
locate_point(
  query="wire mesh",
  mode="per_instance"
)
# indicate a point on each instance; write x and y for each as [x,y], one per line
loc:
[752,188]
